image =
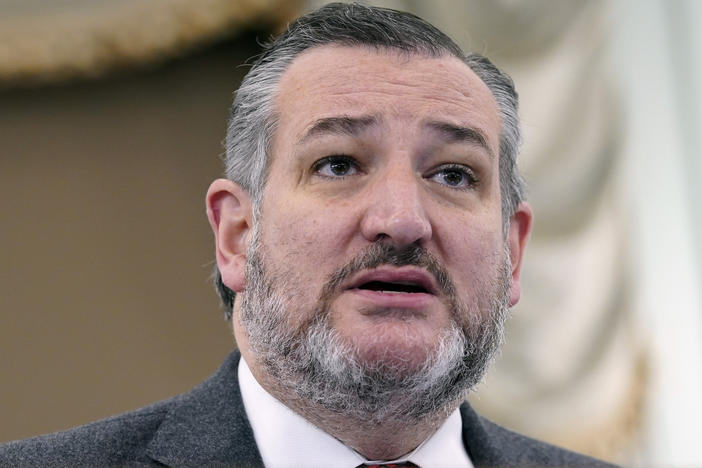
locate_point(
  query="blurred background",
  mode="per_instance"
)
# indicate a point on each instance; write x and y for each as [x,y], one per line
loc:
[112,114]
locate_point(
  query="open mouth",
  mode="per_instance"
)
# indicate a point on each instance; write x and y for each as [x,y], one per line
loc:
[392,287]
[393,283]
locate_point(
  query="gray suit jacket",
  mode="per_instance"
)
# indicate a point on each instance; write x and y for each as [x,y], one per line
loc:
[208,427]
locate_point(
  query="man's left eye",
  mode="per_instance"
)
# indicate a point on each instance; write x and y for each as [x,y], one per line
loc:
[336,166]
[454,176]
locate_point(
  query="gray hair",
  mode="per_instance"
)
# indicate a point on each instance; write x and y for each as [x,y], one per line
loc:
[253,117]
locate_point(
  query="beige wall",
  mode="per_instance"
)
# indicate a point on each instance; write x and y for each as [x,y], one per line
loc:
[105,251]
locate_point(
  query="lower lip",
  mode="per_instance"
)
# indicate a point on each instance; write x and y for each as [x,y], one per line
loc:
[394,300]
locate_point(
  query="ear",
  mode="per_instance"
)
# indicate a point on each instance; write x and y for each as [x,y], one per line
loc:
[519,231]
[229,213]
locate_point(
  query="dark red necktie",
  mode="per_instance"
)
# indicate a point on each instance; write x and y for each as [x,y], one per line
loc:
[406,464]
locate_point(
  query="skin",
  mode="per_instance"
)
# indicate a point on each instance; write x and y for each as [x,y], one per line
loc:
[420,139]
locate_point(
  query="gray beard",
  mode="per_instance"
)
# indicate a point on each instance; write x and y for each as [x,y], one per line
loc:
[315,366]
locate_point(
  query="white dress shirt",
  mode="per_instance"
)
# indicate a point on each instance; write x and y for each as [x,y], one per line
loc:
[286,440]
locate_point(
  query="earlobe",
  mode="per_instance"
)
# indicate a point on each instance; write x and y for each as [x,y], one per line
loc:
[230,216]
[518,236]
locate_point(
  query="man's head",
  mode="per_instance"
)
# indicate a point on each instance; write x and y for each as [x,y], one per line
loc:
[373,221]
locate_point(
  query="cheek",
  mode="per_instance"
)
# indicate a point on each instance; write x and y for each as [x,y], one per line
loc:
[302,225]
[308,243]
[474,256]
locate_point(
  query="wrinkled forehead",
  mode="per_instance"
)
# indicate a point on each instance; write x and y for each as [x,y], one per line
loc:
[330,79]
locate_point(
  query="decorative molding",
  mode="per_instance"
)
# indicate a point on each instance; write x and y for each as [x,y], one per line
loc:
[49,40]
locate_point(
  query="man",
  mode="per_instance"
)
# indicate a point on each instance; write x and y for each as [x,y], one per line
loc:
[369,238]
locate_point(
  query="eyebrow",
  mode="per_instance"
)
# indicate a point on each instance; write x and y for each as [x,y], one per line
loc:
[343,125]
[459,134]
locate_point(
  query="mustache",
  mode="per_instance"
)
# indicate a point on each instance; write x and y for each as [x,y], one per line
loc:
[384,254]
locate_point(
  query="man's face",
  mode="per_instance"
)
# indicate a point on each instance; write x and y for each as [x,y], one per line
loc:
[381,215]
[375,147]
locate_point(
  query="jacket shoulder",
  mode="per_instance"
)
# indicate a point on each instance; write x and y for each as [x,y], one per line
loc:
[119,440]
[206,426]
[491,445]
[531,452]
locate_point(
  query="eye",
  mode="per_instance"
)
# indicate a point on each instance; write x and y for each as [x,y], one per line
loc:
[455,176]
[336,166]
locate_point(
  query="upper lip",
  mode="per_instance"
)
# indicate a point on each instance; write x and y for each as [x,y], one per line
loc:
[400,275]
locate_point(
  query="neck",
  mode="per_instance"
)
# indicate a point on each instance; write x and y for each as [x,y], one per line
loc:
[385,439]
[375,441]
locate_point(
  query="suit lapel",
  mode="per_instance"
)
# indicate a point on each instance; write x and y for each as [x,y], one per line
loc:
[480,446]
[208,425]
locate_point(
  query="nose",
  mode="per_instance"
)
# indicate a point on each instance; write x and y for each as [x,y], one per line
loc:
[395,210]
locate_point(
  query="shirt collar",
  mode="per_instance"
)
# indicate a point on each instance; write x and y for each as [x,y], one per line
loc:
[286,439]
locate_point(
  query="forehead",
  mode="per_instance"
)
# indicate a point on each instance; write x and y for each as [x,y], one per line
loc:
[333,80]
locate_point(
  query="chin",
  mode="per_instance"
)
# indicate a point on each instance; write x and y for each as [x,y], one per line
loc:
[398,348]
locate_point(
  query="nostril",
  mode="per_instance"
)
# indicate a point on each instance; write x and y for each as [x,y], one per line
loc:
[396,222]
